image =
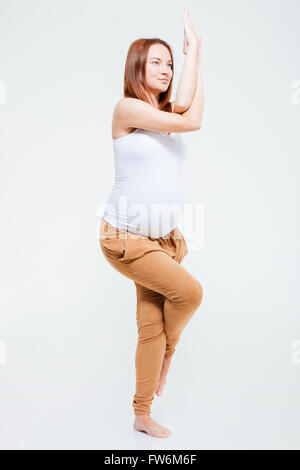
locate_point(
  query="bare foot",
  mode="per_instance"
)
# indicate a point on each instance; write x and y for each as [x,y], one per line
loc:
[163,375]
[145,423]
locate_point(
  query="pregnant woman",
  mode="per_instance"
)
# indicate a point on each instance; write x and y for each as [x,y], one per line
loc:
[139,235]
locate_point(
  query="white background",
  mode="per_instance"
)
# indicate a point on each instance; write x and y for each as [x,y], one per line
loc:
[68,333]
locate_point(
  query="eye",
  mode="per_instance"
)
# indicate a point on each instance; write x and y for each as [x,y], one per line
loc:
[156,62]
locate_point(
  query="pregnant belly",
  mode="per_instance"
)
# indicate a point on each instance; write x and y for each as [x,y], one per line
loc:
[152,213]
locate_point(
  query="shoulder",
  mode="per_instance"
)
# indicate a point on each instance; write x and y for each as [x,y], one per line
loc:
[124,108]
[126,103]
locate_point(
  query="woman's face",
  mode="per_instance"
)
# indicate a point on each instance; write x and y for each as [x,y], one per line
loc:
[159,67]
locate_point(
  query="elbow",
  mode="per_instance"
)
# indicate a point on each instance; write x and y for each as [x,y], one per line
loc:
[180,108]
[197,126]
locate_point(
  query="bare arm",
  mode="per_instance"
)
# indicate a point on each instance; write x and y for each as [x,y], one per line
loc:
[188,80]
[195,111]
[132,112]
[189,76]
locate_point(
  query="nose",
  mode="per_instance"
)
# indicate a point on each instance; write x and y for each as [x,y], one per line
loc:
[165,69]
[166,74]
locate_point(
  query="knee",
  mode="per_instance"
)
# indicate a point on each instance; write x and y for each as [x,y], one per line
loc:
[196,295]
[151,332]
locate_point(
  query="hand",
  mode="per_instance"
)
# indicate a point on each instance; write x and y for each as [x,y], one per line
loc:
[190,35]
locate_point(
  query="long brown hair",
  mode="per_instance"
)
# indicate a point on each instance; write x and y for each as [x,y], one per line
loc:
[135,72]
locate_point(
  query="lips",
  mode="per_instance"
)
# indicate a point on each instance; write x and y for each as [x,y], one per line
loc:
[163,80]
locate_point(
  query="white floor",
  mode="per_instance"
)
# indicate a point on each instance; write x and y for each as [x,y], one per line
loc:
[221,394]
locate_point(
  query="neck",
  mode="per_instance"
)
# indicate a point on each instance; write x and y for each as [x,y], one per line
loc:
[153,98]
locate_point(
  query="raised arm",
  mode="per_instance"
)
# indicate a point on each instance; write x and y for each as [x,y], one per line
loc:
[190,92]
[195,111]
[187,82]
[188,78]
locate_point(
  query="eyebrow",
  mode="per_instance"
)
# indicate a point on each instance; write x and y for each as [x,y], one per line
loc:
[160,59]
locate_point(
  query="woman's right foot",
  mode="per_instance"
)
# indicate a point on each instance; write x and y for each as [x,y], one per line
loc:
[145,423]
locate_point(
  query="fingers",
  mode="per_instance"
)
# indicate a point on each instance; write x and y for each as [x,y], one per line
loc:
[187,20]
[185,14]
[189,30]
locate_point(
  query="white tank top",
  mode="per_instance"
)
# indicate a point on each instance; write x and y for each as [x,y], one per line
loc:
[147,197]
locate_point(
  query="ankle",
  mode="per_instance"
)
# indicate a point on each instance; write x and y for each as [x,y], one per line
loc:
[142,416]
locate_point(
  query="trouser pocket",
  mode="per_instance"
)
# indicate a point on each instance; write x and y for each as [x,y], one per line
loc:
[113,247]
[112,241]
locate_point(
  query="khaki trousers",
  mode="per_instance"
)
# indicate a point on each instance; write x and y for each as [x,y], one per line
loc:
[167,297]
